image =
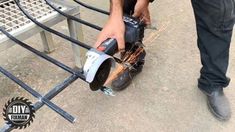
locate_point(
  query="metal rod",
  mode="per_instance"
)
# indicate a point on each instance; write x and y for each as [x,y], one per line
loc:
[50,95]
[74,18]
[91,7]
[80,21]
[58,110]
[57,33]
[50,29]
[54,107]
[55,91]
[42,55]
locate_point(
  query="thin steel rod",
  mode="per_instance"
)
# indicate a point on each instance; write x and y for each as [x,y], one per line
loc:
[50,29]
[55,91]
[51,105]
[42,55]
[56,32]
[80,21]
[91,7]
[50,95]
[74,18]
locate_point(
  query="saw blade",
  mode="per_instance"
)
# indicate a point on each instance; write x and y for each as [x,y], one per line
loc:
[129,59]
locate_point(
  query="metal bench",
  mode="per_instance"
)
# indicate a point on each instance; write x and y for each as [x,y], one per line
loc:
[13,20]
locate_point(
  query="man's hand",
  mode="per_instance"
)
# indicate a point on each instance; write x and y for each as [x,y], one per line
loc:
[115,27]
[142,11]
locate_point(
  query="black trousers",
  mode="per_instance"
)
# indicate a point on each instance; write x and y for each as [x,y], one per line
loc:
[214,21]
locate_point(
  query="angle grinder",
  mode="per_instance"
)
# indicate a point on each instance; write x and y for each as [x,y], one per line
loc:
[100,61]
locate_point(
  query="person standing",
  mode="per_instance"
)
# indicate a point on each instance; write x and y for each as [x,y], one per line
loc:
[214,22]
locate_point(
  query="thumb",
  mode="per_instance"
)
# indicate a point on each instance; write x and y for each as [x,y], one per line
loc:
[100,40]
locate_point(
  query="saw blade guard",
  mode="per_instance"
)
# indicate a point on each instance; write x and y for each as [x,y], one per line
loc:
[94,61]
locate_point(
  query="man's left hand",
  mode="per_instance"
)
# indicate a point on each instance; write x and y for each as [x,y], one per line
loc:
[142,11]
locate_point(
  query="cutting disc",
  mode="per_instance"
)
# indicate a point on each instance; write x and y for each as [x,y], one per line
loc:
[101,75]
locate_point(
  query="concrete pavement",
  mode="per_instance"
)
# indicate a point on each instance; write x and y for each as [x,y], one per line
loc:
[164,97]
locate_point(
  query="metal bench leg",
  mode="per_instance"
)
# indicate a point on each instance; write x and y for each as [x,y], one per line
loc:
[47,41]
[76,32]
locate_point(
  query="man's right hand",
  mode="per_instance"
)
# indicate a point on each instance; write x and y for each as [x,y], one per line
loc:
[114,28]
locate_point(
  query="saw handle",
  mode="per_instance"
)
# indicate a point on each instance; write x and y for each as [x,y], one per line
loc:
[109,46]
[134,33]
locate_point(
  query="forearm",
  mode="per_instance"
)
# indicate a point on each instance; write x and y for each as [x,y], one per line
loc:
[116,8]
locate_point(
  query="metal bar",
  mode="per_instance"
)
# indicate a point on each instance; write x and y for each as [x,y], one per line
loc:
[44,56]
[51,105]
[74,34]
[47,42]
[74,18]
[50,95]
[91,7]
[58,110]
[55,91]
[45,100]
[50,29]
[80,36]
[57,33]
[23,28]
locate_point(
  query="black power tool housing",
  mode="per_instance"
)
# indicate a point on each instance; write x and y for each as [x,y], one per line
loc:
[134,33]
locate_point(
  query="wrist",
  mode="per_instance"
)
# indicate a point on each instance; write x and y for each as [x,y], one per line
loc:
[115,19]
[116,16]
[116,8]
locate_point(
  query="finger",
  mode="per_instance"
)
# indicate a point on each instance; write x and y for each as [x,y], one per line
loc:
[100,40]
[147,20]
[137,14]
[142,19]
[148,17]
[121,43]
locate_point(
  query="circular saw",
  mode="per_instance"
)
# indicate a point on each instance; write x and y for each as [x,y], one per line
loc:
[99,61]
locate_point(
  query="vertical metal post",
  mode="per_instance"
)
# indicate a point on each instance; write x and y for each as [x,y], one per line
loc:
[76,32]
[47,41]
[80,35]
